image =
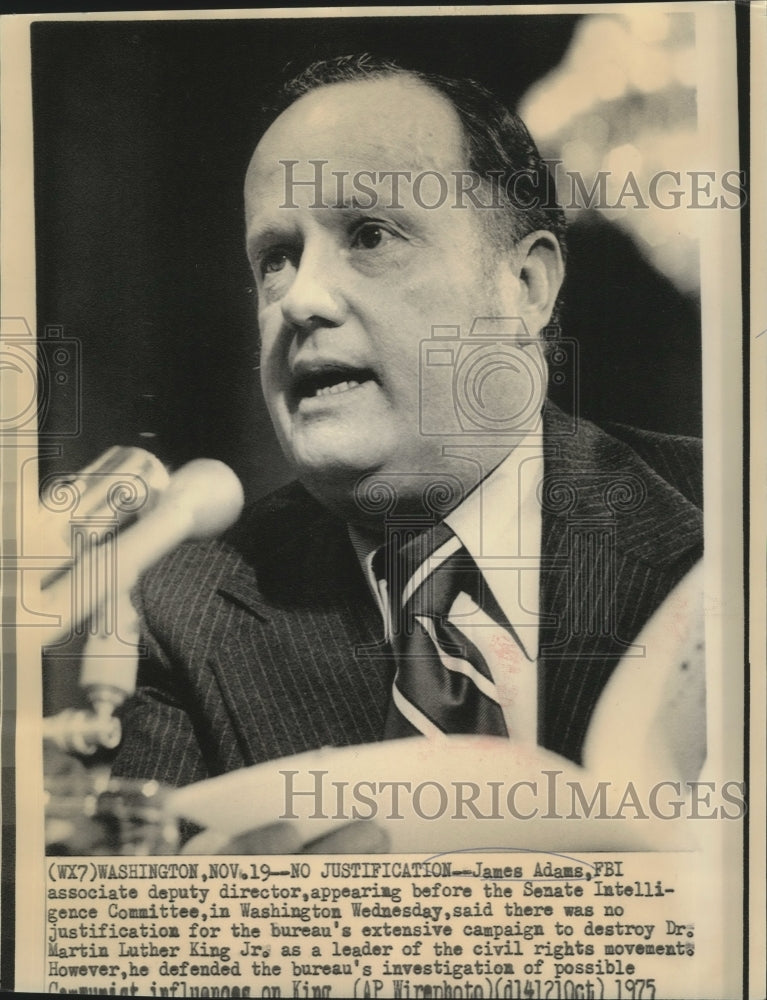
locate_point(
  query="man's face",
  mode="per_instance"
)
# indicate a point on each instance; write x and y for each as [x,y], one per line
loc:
[347,293]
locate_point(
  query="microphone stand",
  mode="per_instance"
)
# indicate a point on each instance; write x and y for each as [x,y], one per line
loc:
[108,676]
[199,501]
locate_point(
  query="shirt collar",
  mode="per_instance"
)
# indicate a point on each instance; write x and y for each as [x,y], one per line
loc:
[499,523]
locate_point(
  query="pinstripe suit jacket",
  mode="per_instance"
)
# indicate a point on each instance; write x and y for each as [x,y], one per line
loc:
[263,643]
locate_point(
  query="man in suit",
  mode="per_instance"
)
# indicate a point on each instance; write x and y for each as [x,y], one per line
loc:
[384,210]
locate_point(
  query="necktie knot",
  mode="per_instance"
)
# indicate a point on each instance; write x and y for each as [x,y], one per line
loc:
[442,683]
[424,571]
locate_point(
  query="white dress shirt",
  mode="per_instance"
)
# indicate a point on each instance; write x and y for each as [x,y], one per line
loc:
[499,523]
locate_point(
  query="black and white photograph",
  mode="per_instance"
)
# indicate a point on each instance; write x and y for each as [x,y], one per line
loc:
[375,403]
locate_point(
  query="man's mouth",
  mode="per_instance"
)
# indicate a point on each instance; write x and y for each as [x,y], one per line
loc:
[332,380]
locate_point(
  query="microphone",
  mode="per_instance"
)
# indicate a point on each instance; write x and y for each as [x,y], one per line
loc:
[108,494]
[200,501]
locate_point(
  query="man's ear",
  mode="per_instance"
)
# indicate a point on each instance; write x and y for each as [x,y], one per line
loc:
[541,271]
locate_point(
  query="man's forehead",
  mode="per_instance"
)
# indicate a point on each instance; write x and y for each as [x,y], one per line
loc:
[391,123]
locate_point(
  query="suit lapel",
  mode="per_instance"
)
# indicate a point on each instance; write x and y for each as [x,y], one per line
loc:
[298,614]
[616,538]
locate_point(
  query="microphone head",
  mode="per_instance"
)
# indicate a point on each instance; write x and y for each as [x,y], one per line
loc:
[210,494]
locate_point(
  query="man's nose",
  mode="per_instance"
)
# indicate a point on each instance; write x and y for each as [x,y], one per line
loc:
[314,298]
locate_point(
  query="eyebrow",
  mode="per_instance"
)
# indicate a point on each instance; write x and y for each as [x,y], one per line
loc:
[266,236]
[270,234]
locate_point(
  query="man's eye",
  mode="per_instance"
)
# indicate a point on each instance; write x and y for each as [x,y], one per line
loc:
[274,261]
[370,236]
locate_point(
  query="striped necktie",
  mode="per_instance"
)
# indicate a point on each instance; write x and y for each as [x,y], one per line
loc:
[442,683]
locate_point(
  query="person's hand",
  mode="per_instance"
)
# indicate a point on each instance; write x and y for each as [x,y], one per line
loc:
[360,837]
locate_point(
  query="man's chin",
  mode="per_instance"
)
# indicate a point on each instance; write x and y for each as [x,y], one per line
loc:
[365,495]
[337,488]
[335,474]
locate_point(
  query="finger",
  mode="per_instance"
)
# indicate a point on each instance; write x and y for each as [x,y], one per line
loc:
[361,837]
[207,842]
[277,838]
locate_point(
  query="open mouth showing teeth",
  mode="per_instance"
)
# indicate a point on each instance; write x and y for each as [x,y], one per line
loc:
[331,382]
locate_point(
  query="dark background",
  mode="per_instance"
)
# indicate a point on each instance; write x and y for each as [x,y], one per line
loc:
[143,131]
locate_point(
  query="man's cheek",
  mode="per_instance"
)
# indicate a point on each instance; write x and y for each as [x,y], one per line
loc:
[265,379]
[273,368]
